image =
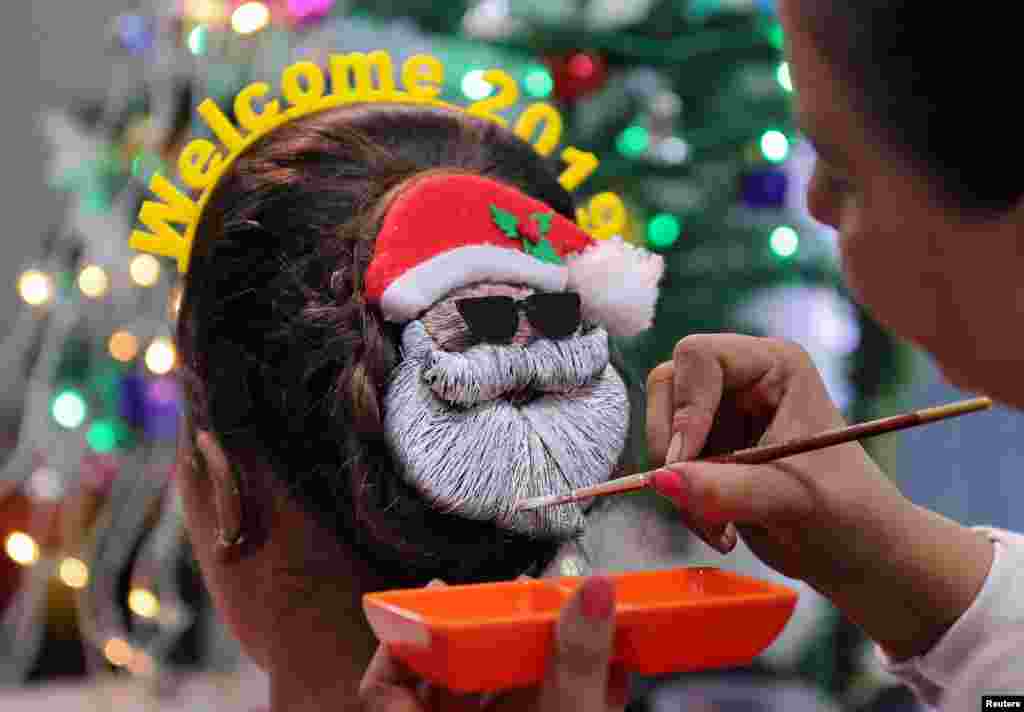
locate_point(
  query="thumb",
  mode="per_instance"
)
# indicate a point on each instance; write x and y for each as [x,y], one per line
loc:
[748,494]
[388,685]
[577,676]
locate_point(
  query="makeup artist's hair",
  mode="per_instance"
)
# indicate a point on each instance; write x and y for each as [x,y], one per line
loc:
[280,355]
[935,84]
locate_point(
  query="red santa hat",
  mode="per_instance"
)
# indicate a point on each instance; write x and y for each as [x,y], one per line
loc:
[450,230]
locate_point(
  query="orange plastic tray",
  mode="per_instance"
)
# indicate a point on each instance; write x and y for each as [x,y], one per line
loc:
[487,637]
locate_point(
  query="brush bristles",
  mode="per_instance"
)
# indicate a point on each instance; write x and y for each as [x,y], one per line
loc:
[541,502]
[622,484]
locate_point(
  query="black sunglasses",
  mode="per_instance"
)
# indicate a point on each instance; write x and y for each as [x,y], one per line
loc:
[496,319]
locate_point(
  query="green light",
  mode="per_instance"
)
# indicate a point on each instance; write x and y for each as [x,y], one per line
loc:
[775,146]
[633,141]
[69,409]
[784,241]
[538,82]
[785,80]
[663,230]
[776,35]
[102,436]
[197,40]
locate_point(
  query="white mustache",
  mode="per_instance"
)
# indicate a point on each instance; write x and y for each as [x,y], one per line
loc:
[486,372]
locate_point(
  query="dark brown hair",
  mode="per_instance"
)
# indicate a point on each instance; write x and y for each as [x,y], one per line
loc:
[282,357]
[933,82]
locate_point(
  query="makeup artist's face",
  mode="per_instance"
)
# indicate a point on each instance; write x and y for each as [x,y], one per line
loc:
[478,426]
[933,276]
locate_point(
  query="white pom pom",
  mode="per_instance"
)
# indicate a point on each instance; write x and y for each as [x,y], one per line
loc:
[618,285]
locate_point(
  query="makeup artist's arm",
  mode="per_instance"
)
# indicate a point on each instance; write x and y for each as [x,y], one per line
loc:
[830,517]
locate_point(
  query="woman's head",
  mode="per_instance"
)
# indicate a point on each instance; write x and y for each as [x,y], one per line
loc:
[288,364]
[907,173]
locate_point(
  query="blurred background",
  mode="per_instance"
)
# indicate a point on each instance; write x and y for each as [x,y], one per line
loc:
[686,102]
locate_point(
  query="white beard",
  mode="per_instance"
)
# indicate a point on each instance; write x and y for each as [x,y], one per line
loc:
[477,454]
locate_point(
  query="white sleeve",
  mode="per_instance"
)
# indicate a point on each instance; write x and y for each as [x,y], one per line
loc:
[999,603]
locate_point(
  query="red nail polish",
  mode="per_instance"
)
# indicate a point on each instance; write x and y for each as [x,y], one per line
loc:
[671,484]
[598,598]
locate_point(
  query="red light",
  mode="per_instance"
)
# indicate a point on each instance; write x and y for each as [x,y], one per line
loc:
[582,66]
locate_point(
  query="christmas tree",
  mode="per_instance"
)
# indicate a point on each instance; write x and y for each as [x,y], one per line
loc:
[687,102]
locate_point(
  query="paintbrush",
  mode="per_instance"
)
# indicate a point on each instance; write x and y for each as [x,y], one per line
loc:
[768,453]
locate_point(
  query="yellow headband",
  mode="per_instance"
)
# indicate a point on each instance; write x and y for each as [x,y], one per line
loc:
[303,86]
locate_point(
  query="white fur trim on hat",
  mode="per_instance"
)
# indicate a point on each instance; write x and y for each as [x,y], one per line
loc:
[421,286]
[618,285]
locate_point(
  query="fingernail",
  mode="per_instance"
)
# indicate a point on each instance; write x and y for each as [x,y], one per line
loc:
[717,543]
[671,484]
[729,539]
[598,598]
[675,449]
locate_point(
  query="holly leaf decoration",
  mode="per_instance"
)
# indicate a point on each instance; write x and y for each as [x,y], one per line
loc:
[543,221]
[544,252]
[506,222]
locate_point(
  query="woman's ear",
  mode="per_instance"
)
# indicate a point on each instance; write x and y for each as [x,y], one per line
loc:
[227,490]
[209,479]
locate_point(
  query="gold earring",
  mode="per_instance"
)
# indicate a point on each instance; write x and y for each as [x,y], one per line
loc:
[238,537]
[225,545]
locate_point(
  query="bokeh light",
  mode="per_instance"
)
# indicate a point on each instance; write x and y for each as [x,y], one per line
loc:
[250,17]
[785,80]
[21,548]
[123,346]
[143,603]
[538,82]
[784,241]
[198,39]
[102,436]
[663,230]
[93,281]
[73,572]
[69,409]
[633,141]
[160,356]
[135,32]
[775,146]
[118,652]
[145,270]
[35,287]
[45,485]
[581,66]
[474,86]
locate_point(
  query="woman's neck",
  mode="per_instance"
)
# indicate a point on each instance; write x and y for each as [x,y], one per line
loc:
[322,643]
[321,659]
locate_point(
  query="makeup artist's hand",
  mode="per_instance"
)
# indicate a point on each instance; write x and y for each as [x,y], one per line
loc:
[829,517]
[579,676]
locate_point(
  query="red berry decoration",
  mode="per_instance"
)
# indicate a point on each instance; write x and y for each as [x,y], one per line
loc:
[530,230]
